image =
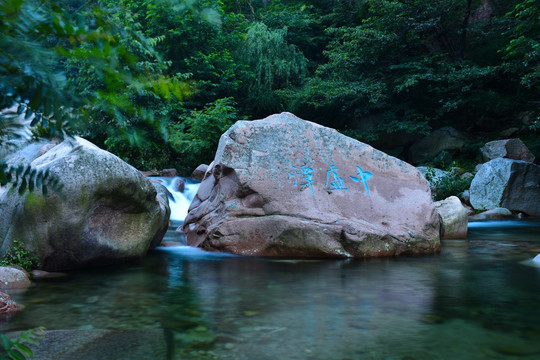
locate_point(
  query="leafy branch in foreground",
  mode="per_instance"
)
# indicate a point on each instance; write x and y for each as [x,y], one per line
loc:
[17,348]
[24,177]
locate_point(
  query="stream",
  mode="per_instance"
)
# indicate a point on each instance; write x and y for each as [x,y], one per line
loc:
[477,299]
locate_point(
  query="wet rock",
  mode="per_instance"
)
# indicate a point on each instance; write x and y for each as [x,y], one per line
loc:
[168,173]
[286,187]
[162,198]
[13,278]
[179,185]
[41,274]
[509,148]
[506,183]
[453,218]
[496,213]
[8,307]
[199,172]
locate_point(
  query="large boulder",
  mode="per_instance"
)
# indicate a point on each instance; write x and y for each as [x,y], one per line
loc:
[506,183]
[284,186]
[444,139]
[107,211]
[454,219]
[509,148]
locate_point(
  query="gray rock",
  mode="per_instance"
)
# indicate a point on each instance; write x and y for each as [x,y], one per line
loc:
[107,212]
[100,344]
[509,148]
[465,197]
[284,186]
[162,198]
[453,218]
[507,183]
[497,213]
[443,139]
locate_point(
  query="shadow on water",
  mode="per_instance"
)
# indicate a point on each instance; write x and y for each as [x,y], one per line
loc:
[475,300]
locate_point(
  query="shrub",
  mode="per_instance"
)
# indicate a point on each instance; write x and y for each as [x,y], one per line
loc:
[17,255]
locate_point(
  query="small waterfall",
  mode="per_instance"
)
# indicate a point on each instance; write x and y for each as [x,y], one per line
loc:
[182,191]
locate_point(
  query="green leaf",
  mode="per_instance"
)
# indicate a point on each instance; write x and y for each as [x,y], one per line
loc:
[24,349]
[6,344]
[16,355]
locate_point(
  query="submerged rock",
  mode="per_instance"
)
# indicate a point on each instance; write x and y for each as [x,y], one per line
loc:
[506,183]
[284,186]
[107,211]
[100,344]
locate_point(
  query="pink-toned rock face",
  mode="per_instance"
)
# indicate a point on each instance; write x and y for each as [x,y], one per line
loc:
[13,278]
[283,186]
[7,306]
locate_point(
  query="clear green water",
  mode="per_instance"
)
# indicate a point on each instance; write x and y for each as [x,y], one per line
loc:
[478,299]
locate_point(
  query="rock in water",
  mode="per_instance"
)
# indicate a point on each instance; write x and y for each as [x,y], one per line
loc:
[13,278]
[454,219]
[107,212]
[284,186]
[506,183]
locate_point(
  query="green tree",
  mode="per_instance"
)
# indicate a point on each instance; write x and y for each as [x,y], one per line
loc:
[272,64]
[406,66]
[522,54]
[196,136]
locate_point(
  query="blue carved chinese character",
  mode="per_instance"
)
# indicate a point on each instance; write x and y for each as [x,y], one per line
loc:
[363,176]
[337,183]
[306,175]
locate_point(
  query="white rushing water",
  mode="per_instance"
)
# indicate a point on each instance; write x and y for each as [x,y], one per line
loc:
[179,201]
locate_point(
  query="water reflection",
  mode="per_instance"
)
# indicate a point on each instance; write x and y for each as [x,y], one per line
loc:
[476,300]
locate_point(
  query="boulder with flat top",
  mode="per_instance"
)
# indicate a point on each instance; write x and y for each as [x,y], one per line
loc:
[283,186]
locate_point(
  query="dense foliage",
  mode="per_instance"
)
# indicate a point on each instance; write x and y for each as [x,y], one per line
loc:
[168,77]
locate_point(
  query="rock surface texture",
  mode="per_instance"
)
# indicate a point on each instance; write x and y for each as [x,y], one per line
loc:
[107,212]
[506,183]
[13,278]
[8,307]
[287,187]
[510,148]
[454,218]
